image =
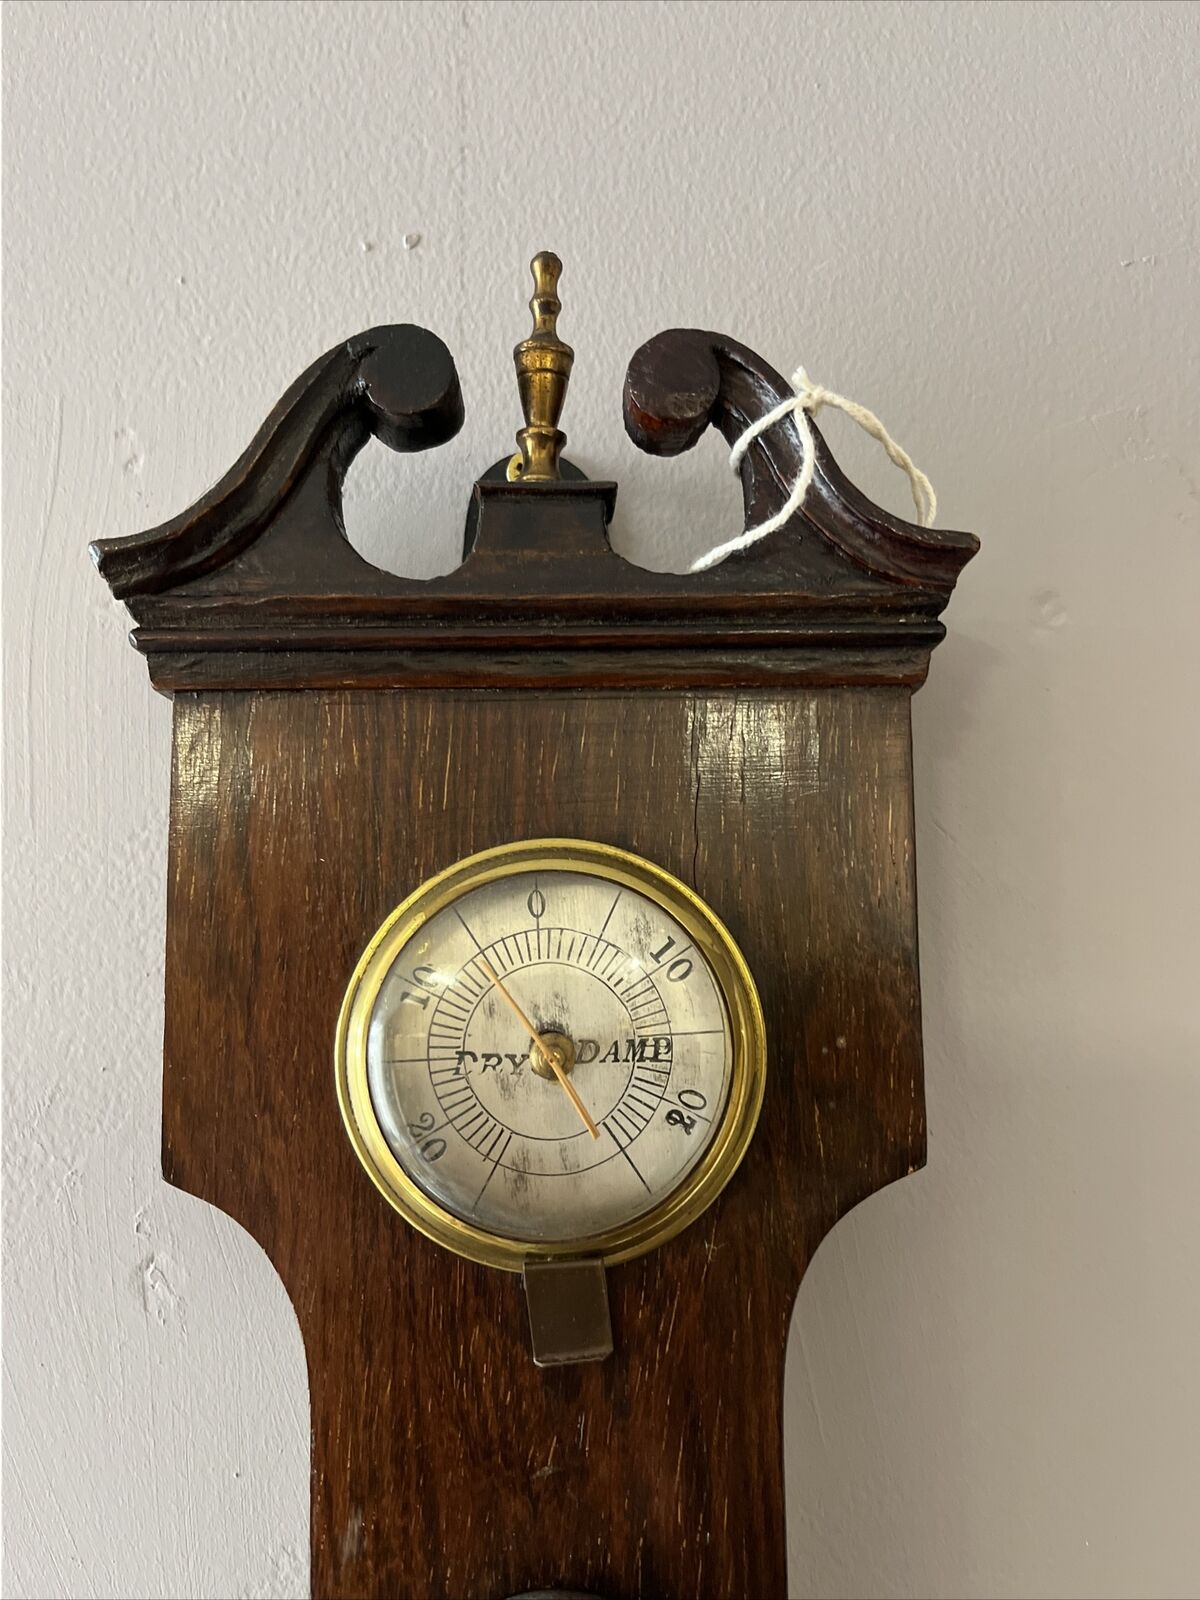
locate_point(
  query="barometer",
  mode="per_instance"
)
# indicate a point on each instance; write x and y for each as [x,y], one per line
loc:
[541,963]
[551,1050]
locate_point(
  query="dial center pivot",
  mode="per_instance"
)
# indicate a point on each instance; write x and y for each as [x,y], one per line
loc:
[558,1045]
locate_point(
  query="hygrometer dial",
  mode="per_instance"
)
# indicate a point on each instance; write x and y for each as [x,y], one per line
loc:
[554,1048]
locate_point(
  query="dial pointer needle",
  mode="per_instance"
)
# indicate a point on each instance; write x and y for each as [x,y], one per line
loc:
[550,1057]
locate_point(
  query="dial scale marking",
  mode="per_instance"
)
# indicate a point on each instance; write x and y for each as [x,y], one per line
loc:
[452,1071]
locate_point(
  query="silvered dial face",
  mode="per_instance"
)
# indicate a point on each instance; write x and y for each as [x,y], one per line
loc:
[519,974]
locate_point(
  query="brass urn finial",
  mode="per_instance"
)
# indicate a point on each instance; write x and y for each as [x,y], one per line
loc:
[543,364]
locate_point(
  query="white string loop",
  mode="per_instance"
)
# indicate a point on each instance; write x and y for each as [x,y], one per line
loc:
[807,400]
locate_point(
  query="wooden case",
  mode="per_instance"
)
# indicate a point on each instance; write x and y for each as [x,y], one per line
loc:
[340,734]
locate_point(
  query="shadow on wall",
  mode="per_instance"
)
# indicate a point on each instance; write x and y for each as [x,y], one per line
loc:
[972,1344]
[860,1356]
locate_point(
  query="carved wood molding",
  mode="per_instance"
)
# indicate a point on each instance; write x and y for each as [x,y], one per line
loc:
[395,382]
[683,380]
[256,585]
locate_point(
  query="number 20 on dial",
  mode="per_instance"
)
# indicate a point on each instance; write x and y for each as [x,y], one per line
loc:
[551,1049]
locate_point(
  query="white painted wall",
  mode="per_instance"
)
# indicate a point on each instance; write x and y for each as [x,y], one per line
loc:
[979,219]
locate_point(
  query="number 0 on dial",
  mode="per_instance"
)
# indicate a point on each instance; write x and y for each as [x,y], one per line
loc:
[551,1049]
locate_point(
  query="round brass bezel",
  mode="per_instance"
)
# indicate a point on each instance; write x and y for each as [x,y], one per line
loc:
[710,936]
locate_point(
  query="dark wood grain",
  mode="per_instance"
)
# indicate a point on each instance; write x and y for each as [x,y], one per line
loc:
[445,1464]
[257,581]
[861,661]
[683,380]
[395,382]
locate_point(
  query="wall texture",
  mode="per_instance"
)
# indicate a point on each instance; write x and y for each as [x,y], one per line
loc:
[980,220]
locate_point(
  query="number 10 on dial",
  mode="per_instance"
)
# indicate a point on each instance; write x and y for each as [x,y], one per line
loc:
[551,1050]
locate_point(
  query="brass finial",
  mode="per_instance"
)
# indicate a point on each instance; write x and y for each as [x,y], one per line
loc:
[543,364]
